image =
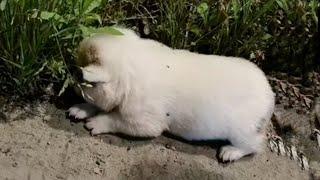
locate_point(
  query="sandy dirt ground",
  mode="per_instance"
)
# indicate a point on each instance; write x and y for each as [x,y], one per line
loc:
[37,141]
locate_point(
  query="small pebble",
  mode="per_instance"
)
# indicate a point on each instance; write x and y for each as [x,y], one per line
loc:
[59,176]
[98,162]
[42,163]
[97,170]
[46,118]
[286,106]
[6,150]
[168,146]
[299,111]
[290,103]
[291,94]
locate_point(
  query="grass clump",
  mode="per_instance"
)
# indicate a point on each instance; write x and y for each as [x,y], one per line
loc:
[38,39]
[279,35]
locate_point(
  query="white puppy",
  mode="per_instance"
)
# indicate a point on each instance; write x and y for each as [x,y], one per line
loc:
[145,88]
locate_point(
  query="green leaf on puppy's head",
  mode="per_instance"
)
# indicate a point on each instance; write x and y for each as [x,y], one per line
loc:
[90,31]
[109,30]
[86,31]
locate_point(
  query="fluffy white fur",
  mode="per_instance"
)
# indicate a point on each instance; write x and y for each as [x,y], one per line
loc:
[152,88]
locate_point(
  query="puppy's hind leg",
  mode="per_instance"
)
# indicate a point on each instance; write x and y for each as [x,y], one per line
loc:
[242,145]
[83,111]
[113,123]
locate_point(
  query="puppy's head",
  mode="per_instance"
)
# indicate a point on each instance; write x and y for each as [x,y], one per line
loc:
[102,61]
[90,49]
[101,56]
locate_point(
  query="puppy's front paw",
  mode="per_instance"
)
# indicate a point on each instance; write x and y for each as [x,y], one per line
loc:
[82,111]
[97,125]
[230,153]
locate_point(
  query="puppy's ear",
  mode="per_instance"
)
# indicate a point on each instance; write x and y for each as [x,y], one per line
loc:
[87,54]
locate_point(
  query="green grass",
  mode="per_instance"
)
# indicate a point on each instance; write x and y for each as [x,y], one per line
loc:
[38,38]
[38,41]
[276,34]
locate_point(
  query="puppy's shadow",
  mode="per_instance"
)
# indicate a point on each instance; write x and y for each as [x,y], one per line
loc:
[207,148]
[61,121]
[59,117]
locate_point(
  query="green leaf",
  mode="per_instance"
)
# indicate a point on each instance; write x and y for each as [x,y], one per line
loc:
[90,5]
[66,83]
[90,31]
[203,10]
[196,30]
[235,8]
[86,31]
[267,36]
[94,17]
[46,15]
[283,4]
[12,63]
[109,30]
[40,69]
[3,5]
[34,14]
[314,6]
